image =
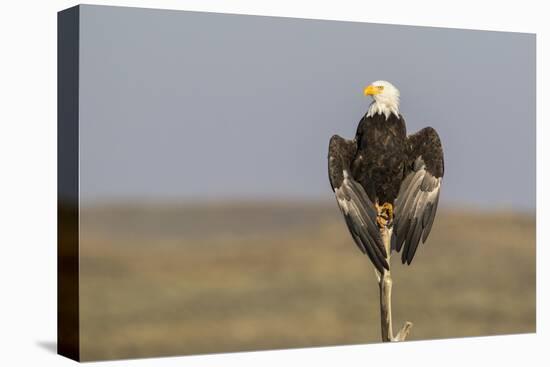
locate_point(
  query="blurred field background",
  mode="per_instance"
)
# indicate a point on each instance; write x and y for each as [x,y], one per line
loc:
[162,279]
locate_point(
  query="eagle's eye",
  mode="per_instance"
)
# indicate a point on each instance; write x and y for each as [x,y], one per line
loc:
[380,88]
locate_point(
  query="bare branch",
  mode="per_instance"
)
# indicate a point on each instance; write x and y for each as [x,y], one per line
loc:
[385,286]
[404,332]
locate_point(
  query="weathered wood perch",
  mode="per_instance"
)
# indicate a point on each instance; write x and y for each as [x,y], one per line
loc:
[385,285]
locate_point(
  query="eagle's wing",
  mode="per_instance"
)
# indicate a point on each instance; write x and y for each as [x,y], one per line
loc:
[416,203]
[359,212]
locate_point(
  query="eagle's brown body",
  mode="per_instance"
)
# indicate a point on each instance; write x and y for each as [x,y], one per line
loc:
[381,156]
[383,166]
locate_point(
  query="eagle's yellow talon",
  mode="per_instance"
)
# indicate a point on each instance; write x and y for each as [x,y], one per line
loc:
[385,214]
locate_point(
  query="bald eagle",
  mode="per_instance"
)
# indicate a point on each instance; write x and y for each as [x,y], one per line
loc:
[386,179]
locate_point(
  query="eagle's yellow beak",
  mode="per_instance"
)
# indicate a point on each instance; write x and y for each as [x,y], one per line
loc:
[371,90]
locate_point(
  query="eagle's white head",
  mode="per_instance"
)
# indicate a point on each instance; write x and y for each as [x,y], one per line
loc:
[386,99]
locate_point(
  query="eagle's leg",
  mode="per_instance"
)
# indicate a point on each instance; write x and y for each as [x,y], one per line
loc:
[384,220]
[385,215]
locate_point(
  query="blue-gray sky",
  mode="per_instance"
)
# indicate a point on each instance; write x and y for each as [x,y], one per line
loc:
[183,105]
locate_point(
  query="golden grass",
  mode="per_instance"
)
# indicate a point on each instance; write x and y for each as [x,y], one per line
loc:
[162,280]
